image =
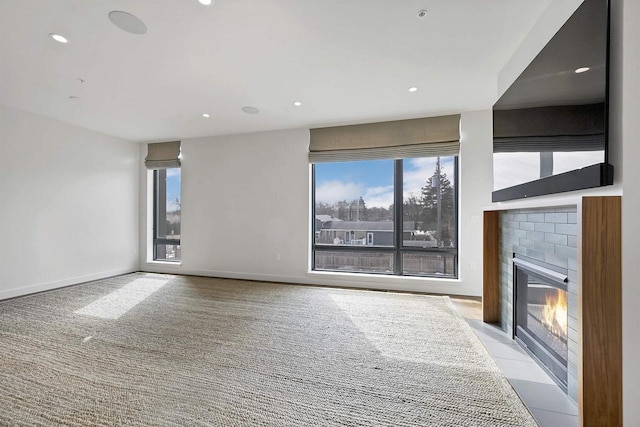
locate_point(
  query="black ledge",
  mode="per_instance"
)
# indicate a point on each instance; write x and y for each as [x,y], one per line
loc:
[598,175]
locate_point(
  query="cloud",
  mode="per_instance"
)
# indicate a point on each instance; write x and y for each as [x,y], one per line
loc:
[173,172]
[418,171]
[421,162]
[379,196]
[336,190]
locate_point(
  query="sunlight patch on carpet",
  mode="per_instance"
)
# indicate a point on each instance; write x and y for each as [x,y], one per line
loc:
[394,325]
[118,302]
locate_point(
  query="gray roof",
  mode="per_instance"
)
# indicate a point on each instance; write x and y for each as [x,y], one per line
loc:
[365,225]
[326,218]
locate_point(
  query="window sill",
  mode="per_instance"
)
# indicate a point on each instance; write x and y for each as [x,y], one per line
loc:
[172,263]
[371,277]
[430,285]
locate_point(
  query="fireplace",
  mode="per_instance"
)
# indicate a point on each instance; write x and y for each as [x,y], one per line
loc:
[582,241]
[541,314]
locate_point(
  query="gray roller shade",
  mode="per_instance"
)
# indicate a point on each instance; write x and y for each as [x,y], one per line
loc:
[163,155]
[426,137]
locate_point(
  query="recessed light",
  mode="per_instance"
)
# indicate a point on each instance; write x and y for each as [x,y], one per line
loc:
[206,2]
[422,14]
[127,22]
[297,103]
[205,115]
[250,110]
[413,89]
[582,70]
[59,38]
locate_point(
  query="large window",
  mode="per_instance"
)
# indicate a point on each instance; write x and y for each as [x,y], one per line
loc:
[166,227]
[386,216]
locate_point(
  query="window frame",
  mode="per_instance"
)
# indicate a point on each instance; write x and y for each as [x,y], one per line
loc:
[156,216]
[398,249]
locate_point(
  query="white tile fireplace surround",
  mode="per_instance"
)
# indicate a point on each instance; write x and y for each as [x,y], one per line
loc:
[577,244]
[547,235]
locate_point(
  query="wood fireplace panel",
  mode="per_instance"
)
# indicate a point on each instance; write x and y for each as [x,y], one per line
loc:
[491,268]
[600,313]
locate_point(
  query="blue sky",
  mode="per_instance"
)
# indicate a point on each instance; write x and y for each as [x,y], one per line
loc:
[173,188]
[373,179]
[373,172]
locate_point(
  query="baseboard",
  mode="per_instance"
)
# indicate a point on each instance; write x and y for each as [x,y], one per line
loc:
[47,286]
[405,284]
[342,280]
[427,285]
[177,269]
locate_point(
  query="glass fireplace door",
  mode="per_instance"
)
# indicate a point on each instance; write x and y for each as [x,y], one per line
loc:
[541,316]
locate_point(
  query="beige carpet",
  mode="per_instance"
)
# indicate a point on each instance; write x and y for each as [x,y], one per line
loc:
[148,349]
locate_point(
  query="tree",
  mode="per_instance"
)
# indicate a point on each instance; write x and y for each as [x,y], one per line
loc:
[173,214]
[412,208]
[354,210]
[342,210]
[429,201]
[324,208]
[377,213]
[363,209]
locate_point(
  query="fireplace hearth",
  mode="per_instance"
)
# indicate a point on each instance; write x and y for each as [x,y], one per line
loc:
[541,314]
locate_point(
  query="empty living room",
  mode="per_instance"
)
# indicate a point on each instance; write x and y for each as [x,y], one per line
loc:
[319,213]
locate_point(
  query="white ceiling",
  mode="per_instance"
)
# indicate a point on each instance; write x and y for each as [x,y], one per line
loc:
[347,61]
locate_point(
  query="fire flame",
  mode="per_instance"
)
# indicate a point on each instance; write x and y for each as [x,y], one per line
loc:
[554,314]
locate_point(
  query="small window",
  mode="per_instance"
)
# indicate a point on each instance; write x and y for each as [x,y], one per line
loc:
[167,215]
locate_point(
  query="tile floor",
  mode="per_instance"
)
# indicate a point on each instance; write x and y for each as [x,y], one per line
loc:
[550,406]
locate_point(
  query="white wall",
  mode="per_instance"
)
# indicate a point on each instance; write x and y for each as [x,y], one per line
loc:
[246,211]
[244,198]
[476,184]
[627,14]
[68,204]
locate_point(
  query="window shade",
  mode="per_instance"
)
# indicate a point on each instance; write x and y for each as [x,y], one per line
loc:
[163,155]
[536,144]
[426,137]
[558,128]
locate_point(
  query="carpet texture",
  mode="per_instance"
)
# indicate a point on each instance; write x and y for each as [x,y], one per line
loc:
[151,349]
